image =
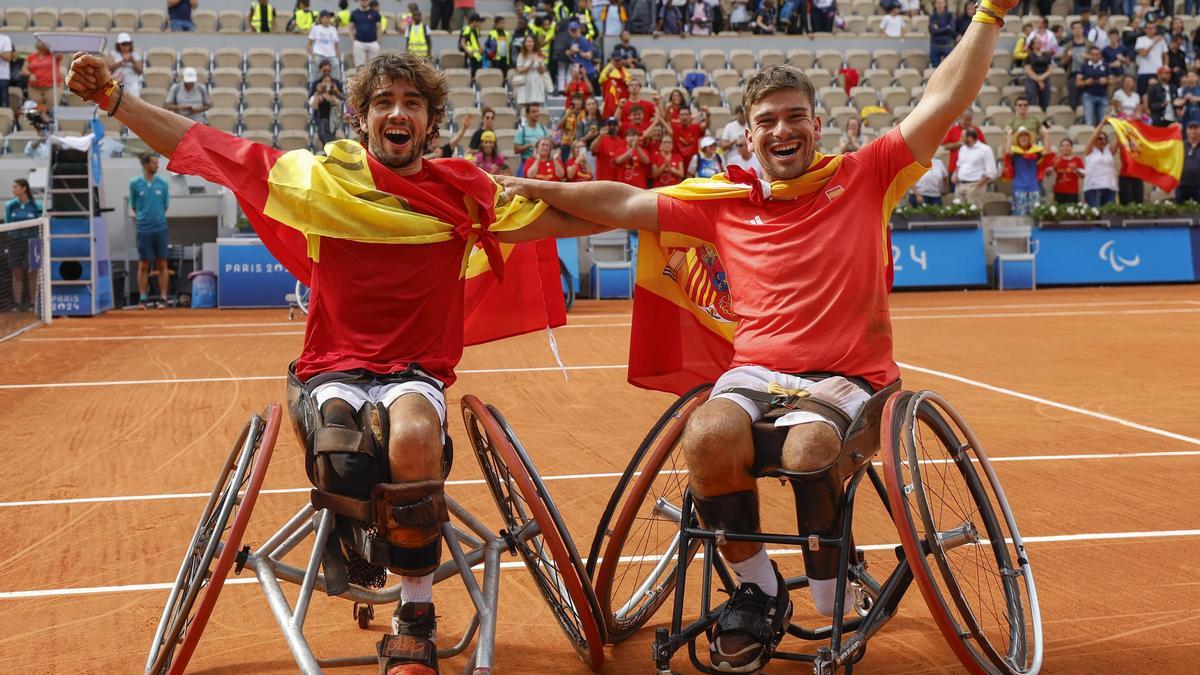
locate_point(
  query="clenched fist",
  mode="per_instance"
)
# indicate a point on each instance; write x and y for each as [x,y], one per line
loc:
[88,75]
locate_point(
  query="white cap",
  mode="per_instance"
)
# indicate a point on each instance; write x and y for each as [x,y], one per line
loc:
[707,141]
[124,38]
[189,75]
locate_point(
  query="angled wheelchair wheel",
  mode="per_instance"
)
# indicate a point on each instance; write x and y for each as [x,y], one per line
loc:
[302,294]
[636,546]
[960,537]
[218,535]
[535,529]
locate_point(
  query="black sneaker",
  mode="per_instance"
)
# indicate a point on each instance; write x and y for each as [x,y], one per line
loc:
[749,627]
[412,649]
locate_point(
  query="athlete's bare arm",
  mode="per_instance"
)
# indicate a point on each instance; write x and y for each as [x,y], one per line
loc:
[952,88]
[161,130]
[551,224]
[605,203]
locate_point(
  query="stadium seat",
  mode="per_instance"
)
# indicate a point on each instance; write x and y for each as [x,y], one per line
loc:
[876,77]
[1002,60]
[260,77]
[885,59]
[261,58]
[864,96]
[901,111]
[839,114]
[461,98]
[254,97]
[6,120]
[505,139]
[293,77]
[733,96]
[829,59]
[709,97]
[450,58]
[292,97]
[654,58]
[261,119]
[908,77]
[224,98]
[296,119]
[44,18]
[99,19]
[858,59]
[224,119]
[1000,115]
[293,59]
[864,7]
[488,78]
[195,57]
[492,97]
[917,59]
[994,135]
[723,78]
[998,77]
[506,118]
[230,21]
[663,78]
[161,57]
[18,18]
[228,57]
[801,58]
[988,96]
[158,78]
[205,20]
[919,25]
[832,97]
[457,78]
[820,78]
[880,119]
[292,140]
[718,117]
[855,24]
[155,97]
[152,20]
[894,97]
[125,20]
[770,57]
[462,112]
[712,60]
[1061,115]
[683,59]
[1010,93]
[1079,135]
[264,137]
[232,78]
[830,139]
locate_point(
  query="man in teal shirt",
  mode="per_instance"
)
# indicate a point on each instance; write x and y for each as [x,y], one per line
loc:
[149,196]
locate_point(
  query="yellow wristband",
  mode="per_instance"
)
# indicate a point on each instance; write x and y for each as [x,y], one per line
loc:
[984,16]
[991,7]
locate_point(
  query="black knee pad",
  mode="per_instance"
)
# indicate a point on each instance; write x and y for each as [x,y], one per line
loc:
[732,512]
[348,453]
[818,511]
[409,517]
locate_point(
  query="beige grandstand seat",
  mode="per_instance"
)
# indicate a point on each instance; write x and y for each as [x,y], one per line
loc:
[17,141]
[194,57]
[830,138]
[292,140]
[18,18]
[281,20]
[260,57]
[205,20]
[998,77]
[864,7]
[1118,21]
[125,20]
[1061,115]
[988,96]
[264,137]
[820,77]
[855,24]
[486,78]
[1002,60]
[663,78]
[916,93]
[260,77]
[152,20]
[829,59]
[491,97]
[254,97]
[901,111]
[712,59]
[224,97]
[708,97]
[461,112]
[1079,135]
[228,57]
[6,119]
[44,18]
[770,57]
[654,58]
[457,78]
[733,96]
[919,25]
[158,78]
[224,119]
[873,23]
[908,77]
[894,97]
[505,138]
[683,59]
[155,97]
[864,96]
[749,73]
[879,119]
[801,58]
[839,114]
[506,118]
[293,77]
[723,78]
[294,119]
[262,119]
[876,77]
[161,57]
[885,59]
[917,59]
[1000,115]
[230,21]
[99,19]
[718,117]
[112,126]
[449,58]
[858,59]
[292,97]
[461,98]
[994,134]
[1010,93]
[638,74]
[232,78]
[293,58]
[832,97]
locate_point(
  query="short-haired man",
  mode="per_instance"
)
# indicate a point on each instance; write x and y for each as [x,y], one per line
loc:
[806,265]
[975,170]
[188,98]
[954,137]
[1022,117]
[366,25]
[1189,180]
[385,326]
[179,13]
[149,197]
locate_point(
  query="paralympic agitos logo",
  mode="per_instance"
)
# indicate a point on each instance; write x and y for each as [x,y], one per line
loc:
[1108,253]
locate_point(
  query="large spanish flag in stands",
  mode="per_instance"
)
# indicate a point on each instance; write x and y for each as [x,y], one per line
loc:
[1154,154]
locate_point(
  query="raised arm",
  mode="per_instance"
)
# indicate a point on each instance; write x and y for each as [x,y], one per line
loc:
[159,129]
[953,87]
[607,203]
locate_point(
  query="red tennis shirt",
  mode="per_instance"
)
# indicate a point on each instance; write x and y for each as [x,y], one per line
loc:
[809,277]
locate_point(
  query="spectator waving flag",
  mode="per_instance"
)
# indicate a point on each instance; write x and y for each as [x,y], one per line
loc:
[1153,154]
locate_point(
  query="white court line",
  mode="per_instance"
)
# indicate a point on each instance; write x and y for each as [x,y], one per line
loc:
[1054,404]
[258,378]
[581,476]
[1097,536]
[1029,305]
[1015,315]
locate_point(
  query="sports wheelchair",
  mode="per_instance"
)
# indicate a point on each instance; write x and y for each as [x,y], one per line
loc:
[958,539]
[532,530]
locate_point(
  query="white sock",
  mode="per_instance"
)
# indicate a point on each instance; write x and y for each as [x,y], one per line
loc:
[823,591]
[416,589]
[757,569]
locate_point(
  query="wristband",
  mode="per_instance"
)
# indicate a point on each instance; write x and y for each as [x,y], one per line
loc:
[103,96]
[120,97]
[994,9]
[983,15]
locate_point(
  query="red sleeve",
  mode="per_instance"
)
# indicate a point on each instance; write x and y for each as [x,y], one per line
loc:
[243,167]
[886,157]
[691,218]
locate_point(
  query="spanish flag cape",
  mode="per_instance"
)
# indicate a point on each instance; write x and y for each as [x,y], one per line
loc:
[1034,153]
[1153,154]
[510,288]
[683,320]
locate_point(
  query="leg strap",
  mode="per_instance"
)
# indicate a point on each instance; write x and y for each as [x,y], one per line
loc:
[409,517]
[732,512]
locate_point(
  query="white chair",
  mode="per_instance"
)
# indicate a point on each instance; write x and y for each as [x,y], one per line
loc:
[610,251]
[1014,245]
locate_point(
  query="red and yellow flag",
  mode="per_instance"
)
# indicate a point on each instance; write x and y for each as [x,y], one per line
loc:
[1153,154]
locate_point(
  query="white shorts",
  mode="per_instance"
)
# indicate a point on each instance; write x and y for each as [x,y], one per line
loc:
[837,391]
[385,394]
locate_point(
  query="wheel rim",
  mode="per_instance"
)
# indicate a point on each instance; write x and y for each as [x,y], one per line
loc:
[534,531]
[637,572]
[972,589]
